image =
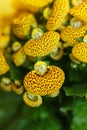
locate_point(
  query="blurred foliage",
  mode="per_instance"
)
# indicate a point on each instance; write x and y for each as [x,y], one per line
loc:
[79,121]
[60,113]
[15,115]
[76,90]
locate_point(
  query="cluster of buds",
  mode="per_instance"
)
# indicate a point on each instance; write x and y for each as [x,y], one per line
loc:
[36,29]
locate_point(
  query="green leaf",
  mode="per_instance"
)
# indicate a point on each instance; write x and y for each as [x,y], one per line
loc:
[78,74]
[43,28]
[16,73]
[47,62]
[41,11]
[37,59]
[80,39]
[24,124]
[79,121]
[28,37]
[85,32]
[34,119]
[76,90]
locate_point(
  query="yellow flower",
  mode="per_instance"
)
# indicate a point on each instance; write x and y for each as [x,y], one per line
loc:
[16,46]
[55,94]
[73,59]
[19,57]
[85,39]
[32,100]
[35,5]
[43,46]
[21,25]
[4,36]
[80,11]
[76,2]
[6,8]
[45,84]
[18,5]
[58,52]
[5,30]
[4,67]
[70,34]
[79,51]
[6,84]
[58,13]
[17,87]
[46,12]
[4,41]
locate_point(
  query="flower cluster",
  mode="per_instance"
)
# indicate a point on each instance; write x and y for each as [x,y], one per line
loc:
[33,33]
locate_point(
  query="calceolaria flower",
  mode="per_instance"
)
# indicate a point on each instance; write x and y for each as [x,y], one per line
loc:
[22,24]
[58,13]
[85,39]
[45,84]
[4,37]
[17,87]
[76,2]
[71,35]
[32,100]
[80,11]
[79,51]
[42,46]
[19,57]
[6,84]
[16,46]
[7,10]
[73,59]
[46,12]
[35,5]
[58,52]
[4,67]
[54,94]
[4,41]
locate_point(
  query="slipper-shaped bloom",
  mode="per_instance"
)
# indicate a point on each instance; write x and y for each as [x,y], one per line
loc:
[45,84]
[32,100]
[4,41]
[4,37]
[42,46]
[58,13]
[79,51]
[4,67]
[57,53]
[35,5]
[80,11]
[76,2]
[73,59]
[22,24]
[70,34]
[19,57]
[6,84]
[17,87]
